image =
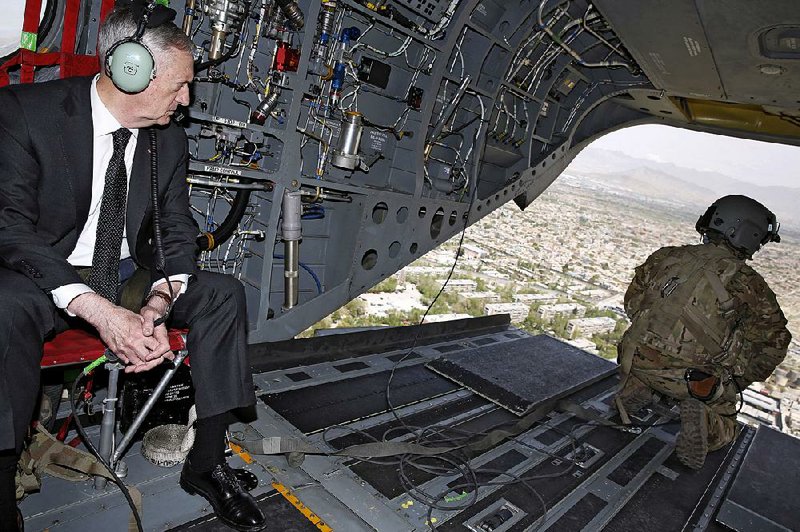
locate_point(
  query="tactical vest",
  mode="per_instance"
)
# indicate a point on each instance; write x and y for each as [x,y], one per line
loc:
[686,317]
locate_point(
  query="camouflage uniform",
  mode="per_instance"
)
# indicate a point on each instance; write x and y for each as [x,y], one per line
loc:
[701,307]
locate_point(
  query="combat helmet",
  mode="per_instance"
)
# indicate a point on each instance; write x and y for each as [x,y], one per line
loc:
[741,221]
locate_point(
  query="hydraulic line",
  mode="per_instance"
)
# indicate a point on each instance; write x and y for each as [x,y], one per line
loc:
[447,112]
[206,182]
[209,241]
[575,55]
[233,50]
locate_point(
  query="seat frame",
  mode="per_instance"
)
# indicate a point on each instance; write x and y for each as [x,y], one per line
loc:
[76,346]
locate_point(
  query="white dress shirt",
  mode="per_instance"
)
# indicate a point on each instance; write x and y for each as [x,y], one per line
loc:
[104,124]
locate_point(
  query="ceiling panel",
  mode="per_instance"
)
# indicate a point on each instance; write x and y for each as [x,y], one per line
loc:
[756,46]
[668,40]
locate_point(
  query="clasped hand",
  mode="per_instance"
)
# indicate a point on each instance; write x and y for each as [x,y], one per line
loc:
[135,340]
[132,337]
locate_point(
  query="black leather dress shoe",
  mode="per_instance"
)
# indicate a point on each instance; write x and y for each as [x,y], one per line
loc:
[221,487]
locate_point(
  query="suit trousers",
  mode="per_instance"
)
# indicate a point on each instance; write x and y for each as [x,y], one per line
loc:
[212,308]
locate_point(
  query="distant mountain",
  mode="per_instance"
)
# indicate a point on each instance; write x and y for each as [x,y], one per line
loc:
[681,185]
[596,160]
[648,182]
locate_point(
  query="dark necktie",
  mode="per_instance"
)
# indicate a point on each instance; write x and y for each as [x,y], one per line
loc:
[104,276]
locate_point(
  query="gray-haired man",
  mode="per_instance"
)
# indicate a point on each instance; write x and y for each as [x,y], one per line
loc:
[60,142]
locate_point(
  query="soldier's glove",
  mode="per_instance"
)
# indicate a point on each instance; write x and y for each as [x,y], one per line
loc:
[701,385]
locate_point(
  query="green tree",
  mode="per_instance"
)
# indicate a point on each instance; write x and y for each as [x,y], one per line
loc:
[607,342]
[594,312]
[533,324]
[428,287]
[506,293]
[559,325]
[387,285]
[473,307]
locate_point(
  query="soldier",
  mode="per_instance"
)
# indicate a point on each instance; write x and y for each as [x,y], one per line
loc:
[704,326]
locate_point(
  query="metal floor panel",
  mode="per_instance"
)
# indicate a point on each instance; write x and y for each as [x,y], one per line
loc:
[763,495]
[314,408]
[423,418]
[522,374]
[675,498]
[283,517]
[385,478]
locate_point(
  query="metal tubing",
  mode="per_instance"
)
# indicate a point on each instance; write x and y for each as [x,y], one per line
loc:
[204,181]
[293,14]
[217,44]
[448,111]
[291,273]
[188,18]
[148,406]
[291,232]
[108,425]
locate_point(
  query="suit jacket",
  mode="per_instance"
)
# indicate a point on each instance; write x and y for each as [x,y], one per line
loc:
[46,142]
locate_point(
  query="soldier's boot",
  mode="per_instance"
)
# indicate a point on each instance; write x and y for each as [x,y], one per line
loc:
[691,446]
[635,395]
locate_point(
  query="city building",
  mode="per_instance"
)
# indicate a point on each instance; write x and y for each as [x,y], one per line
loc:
[517,311]
[758,408]
[459,285]
[494,274]
[535,298]
[588,327]
[573,288]
[790,416]
[595,294]
[470,251]
[548,312]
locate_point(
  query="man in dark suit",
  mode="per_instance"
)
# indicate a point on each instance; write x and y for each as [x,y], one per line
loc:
[59,144]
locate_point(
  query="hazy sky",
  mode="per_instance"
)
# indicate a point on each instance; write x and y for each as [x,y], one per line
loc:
[763,163]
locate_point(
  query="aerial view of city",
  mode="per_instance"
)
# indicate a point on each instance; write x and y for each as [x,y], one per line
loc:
[561,267]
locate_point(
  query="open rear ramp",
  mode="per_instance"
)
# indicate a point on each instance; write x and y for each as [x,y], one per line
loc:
[560,473]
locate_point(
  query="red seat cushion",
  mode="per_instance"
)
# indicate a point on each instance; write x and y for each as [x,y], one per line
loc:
[76,345]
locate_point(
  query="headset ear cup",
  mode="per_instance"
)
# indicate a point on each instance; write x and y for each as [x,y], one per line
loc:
[130,65]
[108,60]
